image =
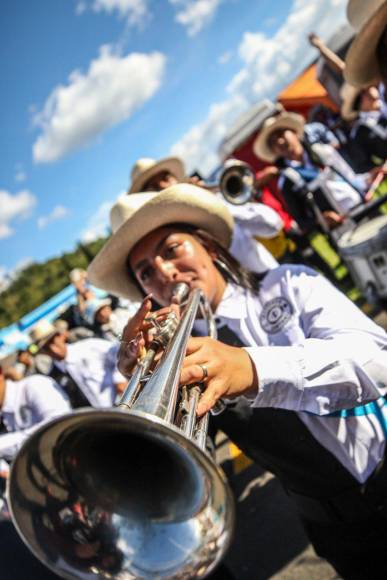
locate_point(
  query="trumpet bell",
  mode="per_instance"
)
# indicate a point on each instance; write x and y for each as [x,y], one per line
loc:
[236,182]
[160,509]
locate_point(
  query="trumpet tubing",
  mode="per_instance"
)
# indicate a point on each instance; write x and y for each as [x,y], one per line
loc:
[128,492]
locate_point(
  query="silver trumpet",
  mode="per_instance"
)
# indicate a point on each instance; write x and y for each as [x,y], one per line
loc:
[128,492]
[235,182]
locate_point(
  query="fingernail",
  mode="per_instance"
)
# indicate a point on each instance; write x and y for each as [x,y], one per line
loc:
[147,297]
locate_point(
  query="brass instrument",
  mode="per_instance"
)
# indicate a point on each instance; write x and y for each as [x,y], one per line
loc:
[128,492]
[235,182]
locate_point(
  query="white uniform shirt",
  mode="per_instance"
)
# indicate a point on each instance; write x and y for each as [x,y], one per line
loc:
[337,190]
[92,363]
[318,355]
[253,219]
[28,403]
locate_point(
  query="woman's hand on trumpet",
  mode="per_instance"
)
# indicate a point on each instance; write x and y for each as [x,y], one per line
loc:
[226,371]
[138,333]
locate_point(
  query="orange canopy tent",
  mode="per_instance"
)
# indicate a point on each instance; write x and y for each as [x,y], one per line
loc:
[304,93]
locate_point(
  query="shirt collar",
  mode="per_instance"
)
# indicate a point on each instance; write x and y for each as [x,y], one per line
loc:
[233,303]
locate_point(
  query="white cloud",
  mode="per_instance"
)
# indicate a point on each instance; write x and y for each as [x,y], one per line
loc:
[13,207]
[270,63]
[135,12]
[195,14]
[98,224]
[112,89]
[59,212]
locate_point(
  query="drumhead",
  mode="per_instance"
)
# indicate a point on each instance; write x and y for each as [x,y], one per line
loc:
[365,238]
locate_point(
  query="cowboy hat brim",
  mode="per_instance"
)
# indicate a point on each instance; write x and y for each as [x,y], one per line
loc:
[282,121]
[172,164]
[361,66]
[181,203]
[42,342]
[348,94]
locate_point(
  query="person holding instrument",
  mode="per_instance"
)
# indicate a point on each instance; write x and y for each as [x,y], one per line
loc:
[312,365]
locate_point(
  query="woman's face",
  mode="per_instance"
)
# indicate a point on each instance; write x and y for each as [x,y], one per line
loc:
[370,99]
[166,256]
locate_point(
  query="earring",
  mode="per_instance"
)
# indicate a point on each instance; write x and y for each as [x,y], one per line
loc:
[226,270]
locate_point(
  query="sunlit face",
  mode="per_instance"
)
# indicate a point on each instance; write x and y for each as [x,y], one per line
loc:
[103,315]
[370,99]
[56,347]
[166,256]
[160,181]
[285,143]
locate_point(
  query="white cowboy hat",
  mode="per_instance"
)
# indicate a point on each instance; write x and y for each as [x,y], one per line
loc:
[146,168]
[42,332]
[369,19]
[348,95]
[92,307]
[282,121]
[180,203]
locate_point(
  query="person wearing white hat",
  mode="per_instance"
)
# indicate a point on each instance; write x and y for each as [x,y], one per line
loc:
[107,323]
[317,167]
[252,219]
[364,108]
[366,59]
[25,405]
[312,366]
[86,370]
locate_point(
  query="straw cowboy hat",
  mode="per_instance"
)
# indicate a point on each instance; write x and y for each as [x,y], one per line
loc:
[42,333]
[180,203]
[144,169]
[282,121]
[349,94]
[369,19]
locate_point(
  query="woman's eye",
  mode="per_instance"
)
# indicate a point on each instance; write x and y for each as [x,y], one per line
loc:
[170,251]
[145,274]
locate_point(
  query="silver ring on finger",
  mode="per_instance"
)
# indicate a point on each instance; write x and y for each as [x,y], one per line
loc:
[204,370]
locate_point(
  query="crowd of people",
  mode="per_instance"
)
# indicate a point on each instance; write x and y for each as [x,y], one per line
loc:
[302,371]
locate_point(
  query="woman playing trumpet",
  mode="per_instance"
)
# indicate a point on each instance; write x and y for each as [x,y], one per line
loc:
[312,366]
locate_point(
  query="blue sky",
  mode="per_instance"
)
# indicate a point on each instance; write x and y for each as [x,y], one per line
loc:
[89,86]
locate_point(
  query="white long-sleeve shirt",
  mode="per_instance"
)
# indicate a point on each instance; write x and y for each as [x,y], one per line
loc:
[316,354]
[27,404]
[92,363]
[253,219]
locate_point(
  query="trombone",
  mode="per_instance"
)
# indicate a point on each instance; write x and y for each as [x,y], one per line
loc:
[128,492]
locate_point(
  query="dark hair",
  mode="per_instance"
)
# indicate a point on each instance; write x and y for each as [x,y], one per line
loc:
[226,264]
[357,101]
[381,56]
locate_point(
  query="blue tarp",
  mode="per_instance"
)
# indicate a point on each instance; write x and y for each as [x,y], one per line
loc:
[16,335]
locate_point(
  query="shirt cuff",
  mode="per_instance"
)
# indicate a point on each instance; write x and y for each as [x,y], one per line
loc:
[280,377]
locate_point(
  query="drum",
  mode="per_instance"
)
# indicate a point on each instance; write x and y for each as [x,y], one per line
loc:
[364,250]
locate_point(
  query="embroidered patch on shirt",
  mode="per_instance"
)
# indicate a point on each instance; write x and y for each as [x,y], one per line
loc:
[275,314]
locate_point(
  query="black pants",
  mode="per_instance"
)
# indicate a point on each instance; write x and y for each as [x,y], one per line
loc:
[356,551]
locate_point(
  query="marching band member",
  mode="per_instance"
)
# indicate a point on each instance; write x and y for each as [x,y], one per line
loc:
[86,370]
[312,365]
[335,188]
[24,405]
[251,219]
